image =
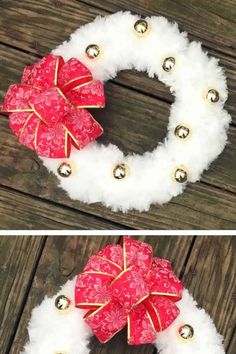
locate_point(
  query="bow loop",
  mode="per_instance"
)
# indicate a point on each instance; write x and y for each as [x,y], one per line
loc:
[125,285]
[129,288]
[163,281]
[137,253]
[45,119]
[72,74]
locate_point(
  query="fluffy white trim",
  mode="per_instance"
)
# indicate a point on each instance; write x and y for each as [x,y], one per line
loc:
[151,175]
[51,332]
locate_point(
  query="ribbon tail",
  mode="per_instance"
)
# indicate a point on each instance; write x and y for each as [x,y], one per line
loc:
[141,329]
[107,321]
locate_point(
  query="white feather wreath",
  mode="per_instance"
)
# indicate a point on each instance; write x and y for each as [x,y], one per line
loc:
[47,111]
[51,332]
[158,176]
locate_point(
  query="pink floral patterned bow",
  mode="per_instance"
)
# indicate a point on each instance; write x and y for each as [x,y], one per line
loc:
[47,109]
[126,286]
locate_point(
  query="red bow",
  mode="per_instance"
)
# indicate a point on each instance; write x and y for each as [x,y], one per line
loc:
[127,285]
[47,108]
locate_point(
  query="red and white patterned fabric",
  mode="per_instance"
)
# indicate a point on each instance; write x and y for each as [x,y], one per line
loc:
[47,109]
[125,285]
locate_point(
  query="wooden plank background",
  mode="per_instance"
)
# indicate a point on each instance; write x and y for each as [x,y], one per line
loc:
[32,267]
[30,29]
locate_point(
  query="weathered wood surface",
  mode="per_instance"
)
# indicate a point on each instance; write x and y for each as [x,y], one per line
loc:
[18,261]
[37,27]
[206,265]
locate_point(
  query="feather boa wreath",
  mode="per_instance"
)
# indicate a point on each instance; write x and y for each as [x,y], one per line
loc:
[49,111]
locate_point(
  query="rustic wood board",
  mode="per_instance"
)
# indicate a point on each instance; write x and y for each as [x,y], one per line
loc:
[205,264]
[201,19]
[18,260]
[19,211]
[209,204]
[210,276]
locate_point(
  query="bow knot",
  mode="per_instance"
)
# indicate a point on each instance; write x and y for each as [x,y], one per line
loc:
[126,285]
[47,109]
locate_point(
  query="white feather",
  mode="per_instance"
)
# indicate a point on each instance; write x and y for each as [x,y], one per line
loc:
[151,174]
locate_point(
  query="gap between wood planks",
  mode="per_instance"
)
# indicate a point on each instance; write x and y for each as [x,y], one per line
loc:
[208,46]
[25,297]
[113,224]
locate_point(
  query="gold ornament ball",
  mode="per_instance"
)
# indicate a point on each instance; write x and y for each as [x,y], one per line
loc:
[180,175]
[62,303]
[92,51]
[141,27]
[120,171]
[168,64]
[213,95]
[64,170]
[182,132]
[186,332]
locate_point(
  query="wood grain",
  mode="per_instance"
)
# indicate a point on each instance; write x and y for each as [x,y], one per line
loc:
[19,211]
[23,171]
[64,257]
[213,26]
[18,260]
[210,276]
[56,23]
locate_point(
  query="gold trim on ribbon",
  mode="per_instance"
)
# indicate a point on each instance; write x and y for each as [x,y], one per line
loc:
[128,329]
[101,273]
[109,261]
[96,311]
[56,71]
[124,253]
[81,85]
[141,300]
[72,136]
[38,115]
[87,304]
[150,319]
[157,314]
[118,276]
[90,106]
[24,125]
[18,110]
[164,294]
[63,96]
[66,142]
[36,135]
[77,78]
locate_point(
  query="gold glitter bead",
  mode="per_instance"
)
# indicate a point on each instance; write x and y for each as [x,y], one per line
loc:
[180,175]
[64,170]
[62,303]
[141,27]
[120,171]
[213,96]
[92,51]
[168,64]
[186,332]
[182,132]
